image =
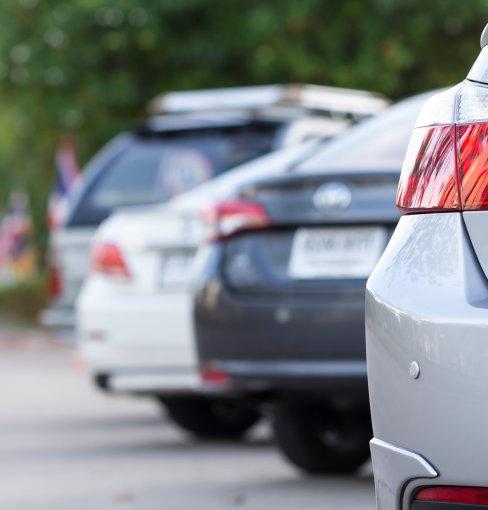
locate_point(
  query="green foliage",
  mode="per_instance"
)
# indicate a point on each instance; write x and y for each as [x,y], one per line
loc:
[90,66]
[24,300]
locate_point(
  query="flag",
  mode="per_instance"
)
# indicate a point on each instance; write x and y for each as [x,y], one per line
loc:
[18,256]
[66,180]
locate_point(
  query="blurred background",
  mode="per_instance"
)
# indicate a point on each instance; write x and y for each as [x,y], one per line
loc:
[87,68]
[74,73]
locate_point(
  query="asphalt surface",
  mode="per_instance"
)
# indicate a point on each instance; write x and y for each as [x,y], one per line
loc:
[63,445]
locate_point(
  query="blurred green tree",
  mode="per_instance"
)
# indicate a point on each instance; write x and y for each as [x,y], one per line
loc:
[89,66]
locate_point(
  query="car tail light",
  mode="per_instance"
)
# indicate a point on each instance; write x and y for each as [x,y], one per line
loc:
[446,165]
[107,258]
[54,274]
[54,283]
[228,218]
[453,495]
[214,377]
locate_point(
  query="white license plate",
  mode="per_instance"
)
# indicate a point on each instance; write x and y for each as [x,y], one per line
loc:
[176,268]
[345,252]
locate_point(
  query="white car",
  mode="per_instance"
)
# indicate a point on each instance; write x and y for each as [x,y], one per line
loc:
[134,313]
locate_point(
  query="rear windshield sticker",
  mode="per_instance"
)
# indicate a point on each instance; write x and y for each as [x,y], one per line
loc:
[183,169]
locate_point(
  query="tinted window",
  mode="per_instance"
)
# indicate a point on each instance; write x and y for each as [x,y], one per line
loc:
[379,143]
[155,168]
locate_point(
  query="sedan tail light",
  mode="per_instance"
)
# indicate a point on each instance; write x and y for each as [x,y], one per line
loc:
[107,258]
[54,273]
[451,495]
[54,282]
[446,165]
[228,218]
[214,377]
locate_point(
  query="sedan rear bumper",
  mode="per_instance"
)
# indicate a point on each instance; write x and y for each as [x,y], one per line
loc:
[426,329]
[276,343]
[398,474]
[136,342]
[313,379]
[157,381]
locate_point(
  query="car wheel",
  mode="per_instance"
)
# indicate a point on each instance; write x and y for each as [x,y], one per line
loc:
[212,418]
[320,440]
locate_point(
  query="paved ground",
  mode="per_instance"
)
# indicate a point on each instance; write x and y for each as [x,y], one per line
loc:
[65,446]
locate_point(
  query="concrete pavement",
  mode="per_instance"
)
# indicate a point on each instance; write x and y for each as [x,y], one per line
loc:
[66,446]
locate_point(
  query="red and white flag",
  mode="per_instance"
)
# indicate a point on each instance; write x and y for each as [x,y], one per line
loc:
[18,258]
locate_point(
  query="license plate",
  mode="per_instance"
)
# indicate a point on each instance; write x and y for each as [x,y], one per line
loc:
[346,252]
[176,268]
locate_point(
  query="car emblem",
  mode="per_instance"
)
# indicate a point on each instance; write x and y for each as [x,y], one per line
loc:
[333,195]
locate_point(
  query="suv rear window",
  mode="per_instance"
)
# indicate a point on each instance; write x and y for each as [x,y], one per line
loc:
[156,167]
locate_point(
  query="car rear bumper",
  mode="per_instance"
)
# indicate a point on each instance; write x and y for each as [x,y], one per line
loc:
[155,381]
[398,474]
[427,307]
[278,343]
[58,318]
[315,380]
[142,341]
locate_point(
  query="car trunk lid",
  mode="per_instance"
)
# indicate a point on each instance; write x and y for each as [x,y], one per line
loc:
[331,226]
[333,198]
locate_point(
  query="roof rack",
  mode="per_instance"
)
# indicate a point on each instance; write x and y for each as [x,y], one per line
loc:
[323,100]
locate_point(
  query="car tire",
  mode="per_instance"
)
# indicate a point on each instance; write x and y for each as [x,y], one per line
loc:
[320,440]
[212,418]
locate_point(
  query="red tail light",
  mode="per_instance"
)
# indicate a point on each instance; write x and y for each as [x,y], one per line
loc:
[54,284]
[234,216]
[54,278]
[453,495]
[446,165]
[215,377]
[107,258]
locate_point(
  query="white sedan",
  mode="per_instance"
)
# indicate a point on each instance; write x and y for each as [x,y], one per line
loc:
[134,314]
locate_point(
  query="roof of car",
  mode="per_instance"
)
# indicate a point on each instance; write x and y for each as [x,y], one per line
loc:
[377,144]
[204,120]
[266,98]
[311,157]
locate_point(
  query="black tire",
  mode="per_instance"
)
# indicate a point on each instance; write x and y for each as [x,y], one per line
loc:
[212,418]
[320,440]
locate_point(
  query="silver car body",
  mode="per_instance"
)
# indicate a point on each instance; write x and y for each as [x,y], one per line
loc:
[427,353]
[426,304]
